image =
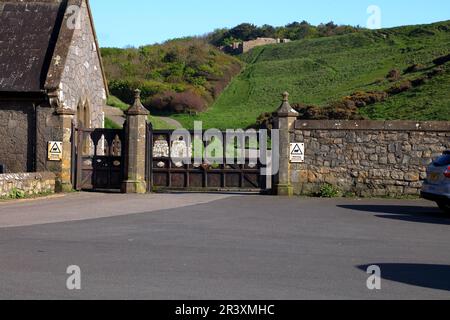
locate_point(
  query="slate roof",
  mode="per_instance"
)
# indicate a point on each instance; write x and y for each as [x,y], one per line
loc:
[28,33]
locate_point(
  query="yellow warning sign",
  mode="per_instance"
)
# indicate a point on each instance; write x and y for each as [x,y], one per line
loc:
[55,151]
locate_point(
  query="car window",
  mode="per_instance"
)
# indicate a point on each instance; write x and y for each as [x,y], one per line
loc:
[443,160]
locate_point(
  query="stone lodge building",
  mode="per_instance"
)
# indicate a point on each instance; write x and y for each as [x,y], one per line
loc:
[51,75]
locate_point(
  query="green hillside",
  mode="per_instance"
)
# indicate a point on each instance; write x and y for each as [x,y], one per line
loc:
[324,70]
[181,75]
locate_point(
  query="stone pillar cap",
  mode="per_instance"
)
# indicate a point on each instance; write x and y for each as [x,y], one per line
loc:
[285,110]
[137,108]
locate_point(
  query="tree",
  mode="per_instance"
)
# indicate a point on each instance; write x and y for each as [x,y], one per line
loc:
[244,32]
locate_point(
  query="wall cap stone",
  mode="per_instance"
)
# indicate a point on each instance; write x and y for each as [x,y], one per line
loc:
[27,176]
[373,125]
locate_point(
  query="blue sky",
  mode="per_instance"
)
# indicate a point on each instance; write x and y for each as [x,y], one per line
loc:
[120,23]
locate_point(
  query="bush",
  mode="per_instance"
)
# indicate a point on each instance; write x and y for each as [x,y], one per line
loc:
[435,72]
[414,68]
[394,75]
[400,87]
[419,81]
[17,194]
[185,66]
[177,102]
[329,191]
[294,31]
[265,120]
[362,99]
[441,60]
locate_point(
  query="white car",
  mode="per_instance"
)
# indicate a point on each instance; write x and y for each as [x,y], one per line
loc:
[437,186]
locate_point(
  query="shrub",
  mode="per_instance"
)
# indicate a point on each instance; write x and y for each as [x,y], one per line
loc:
[436,72]
[362,99]
[265,120]
[329,191]
[17,193]
[400,87]
[414,68]
[178,102]
[441,60]
[184,66]
[394,75]
[419,81]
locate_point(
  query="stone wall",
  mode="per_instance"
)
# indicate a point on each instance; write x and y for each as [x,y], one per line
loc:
[82,78]
[248,45]
[367,158]
[17,133]
[245,46]
[30,183]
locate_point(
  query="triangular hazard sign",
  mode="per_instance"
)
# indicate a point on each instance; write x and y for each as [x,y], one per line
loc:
[297,150]
[55,148]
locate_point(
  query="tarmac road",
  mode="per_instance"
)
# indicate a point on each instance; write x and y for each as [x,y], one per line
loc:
[205,246]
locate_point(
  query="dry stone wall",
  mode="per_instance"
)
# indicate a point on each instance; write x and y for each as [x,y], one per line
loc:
[29,183]
[367,158]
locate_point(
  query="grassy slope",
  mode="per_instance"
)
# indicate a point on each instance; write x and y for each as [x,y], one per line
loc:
[321,70]
[117,103]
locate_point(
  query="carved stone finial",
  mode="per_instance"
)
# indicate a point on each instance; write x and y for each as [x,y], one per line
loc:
[285,110]
[137,108]
[137,94]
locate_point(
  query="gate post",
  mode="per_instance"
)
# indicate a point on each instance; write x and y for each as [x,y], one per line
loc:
[64,176]
[286,117]
[135,140]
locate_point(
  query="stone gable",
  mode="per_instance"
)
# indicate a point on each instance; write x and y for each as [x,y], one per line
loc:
[82,78]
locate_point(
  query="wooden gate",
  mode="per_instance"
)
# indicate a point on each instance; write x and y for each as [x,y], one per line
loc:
[100,159]
[164,174]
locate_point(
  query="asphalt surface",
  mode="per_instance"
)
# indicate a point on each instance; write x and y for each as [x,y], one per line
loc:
[224,247]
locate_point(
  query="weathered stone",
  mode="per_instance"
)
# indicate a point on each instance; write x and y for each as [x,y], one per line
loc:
[136,152]
[391,160]
[29,183]
[42,102]
[412,177]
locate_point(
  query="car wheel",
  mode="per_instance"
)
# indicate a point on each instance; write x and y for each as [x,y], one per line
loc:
[444,206]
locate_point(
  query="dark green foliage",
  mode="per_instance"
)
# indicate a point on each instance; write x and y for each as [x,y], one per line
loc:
[394,75]
[442,60]
[293,31]
[181,68]
[329,191]
[109,124]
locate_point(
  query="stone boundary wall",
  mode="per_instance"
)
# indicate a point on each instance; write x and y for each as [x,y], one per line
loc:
[366,158]
[30,183]
[17,129]
[246,46]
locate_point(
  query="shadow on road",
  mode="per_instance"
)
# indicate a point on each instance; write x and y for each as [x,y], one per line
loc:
[430,276]
[404,213]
